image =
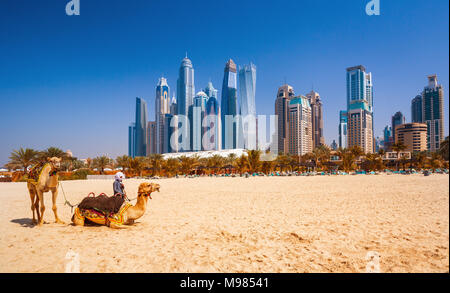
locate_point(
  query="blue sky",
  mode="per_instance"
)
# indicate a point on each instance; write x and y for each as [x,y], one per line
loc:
[71,81]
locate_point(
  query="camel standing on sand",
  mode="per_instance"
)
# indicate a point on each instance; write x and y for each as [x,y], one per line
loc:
[128,213]
[47,181]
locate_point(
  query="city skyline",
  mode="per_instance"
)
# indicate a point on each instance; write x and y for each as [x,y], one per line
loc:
[103,97]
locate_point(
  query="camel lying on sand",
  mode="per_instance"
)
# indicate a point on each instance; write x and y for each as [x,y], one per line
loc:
[126,215]
[45,181]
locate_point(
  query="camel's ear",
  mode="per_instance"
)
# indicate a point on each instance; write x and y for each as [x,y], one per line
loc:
[58,159]
[48,159]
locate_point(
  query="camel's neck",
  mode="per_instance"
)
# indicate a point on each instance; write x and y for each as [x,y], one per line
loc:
[138,210]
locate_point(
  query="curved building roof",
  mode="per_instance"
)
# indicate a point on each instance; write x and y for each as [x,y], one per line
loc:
[186,62]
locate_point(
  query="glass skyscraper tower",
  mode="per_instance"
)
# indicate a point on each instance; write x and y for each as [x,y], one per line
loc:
[229,107]
[185,100]
[141,128]
[162,107]
[199,113]
[416,109]
[213,122]
[185,87]
[247,89]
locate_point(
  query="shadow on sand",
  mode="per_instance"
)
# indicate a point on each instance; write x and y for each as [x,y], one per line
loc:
[24,222]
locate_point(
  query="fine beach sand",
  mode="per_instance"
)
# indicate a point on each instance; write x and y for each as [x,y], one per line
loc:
[263,224]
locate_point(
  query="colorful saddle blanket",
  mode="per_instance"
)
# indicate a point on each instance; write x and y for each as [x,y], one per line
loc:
[100,218]
[34,174]
[102,203]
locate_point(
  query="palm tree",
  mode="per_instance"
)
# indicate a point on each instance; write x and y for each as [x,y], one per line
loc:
[436,161]
[155,161]
[215,162]
[398,148]
[444,149]
[137,165]
[230,160]
[102,163]
[320,155]
[123,162]
[53,152]
[187,164]
[373,162]
[419,159]
[253,158]
[22,158]
[241,163]
[282,161]
[171,166]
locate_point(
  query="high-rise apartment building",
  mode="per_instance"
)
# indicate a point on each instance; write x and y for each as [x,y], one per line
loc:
[343,124]
[416,109]
[300,127]
[284,95]
[433,113]
[229,107]
[316,118]
[360,109]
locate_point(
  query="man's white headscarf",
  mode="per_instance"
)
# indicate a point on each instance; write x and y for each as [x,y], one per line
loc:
[119,176]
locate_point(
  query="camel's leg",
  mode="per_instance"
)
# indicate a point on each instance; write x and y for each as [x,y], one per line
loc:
[36,207]
[114,226]
[42,209]
[54,196]
[32,197]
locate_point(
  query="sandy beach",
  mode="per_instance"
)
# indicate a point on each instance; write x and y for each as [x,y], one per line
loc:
[263,224]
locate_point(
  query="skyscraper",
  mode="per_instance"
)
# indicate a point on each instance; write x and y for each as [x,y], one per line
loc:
[185,100]
[433,112]
[199,113]
[151,137]
[388,138]
[360,109]
[416,109]
[173,107]
[397,119]
[343,129]
[247,89]
[213,120]
[300,126]
[229,107]
[284,96]
[132,140]
[162,107]
[316,118]
[141,128]
[185,87]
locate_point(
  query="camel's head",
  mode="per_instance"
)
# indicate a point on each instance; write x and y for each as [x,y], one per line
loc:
[146,189]
[54,162]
